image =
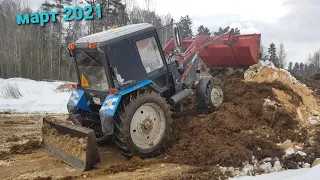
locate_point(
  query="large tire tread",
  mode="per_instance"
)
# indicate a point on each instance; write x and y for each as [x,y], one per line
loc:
[127,108]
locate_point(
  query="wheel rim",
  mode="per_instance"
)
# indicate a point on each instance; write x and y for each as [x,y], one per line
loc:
[216,95]
[147,126]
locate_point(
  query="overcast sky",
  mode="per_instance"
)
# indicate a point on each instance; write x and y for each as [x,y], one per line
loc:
[292,22]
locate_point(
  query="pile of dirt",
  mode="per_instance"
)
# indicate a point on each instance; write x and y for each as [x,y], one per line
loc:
[3,155]
[64,88]
[250,123]
[25,148]
[13,138]
[314,142]
[132,165]
[311,83]
[264,72]
[316,77]
[50,178]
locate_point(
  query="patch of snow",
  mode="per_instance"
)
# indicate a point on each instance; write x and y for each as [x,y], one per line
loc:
[267,167]
[306,165]
[248,169]
[289,151]
[37,97]
[277,166]
[252,169]
[301,153]
[267,63]
[313,120]
[276,171]
[297,174]
[298,147]
[267,159]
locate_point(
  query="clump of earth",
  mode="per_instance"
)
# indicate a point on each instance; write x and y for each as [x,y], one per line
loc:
[263,107]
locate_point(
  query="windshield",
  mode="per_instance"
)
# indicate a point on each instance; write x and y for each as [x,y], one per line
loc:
[91,71]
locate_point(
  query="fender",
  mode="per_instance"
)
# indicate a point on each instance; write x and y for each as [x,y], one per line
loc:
[110,105]
[77,100]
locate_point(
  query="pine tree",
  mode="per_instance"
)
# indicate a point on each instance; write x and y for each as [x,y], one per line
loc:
[312,69]
[296,68]
[225,30]
[316,59]
[272,51]
[301,69]
[263,55]
[202,30]
[185,26]
[306,70]
[113,13]
[290,66]
[282,55]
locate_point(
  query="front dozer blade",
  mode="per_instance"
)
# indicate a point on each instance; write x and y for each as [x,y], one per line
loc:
[75,145]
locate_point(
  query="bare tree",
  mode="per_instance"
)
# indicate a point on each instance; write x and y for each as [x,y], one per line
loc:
[39,52]
[282,55]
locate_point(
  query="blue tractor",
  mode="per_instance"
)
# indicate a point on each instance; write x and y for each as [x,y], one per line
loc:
[126,91]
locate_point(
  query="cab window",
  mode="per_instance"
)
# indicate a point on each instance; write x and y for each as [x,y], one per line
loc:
[149,54]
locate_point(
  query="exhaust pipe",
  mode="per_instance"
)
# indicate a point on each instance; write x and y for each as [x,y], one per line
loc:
[175,99]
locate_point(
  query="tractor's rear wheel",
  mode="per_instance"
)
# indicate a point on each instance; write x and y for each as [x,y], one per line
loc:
[143,125]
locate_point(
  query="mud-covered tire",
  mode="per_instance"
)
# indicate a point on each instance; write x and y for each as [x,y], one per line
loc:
[129,128]
[209,95]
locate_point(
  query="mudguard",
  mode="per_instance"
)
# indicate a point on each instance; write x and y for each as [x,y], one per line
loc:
[110,105]
[77,100]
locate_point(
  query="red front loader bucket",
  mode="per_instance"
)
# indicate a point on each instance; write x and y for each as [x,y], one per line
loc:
[243,53]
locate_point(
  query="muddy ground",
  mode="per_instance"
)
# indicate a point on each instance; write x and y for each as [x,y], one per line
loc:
[241,129]
[22,158]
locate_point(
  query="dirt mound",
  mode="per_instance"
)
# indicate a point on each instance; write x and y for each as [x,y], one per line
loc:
[13,138]
[25,148]
[132,165]
[316,77]
[264,72]
[3,155]
[50,178]
[250,122]
[64,88]
[312,84]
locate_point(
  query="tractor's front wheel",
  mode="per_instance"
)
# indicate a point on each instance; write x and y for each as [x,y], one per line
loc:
[142,126]
[209,95]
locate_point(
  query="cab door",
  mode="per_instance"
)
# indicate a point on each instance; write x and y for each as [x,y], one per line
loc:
[125,64]
[150,53]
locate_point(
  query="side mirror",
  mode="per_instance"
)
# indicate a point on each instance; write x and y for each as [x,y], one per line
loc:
[176,35]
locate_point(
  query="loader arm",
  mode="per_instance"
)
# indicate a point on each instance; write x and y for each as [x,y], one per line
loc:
[197,45]
[225,50]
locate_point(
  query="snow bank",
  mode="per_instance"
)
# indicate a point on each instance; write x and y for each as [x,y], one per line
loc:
[36,97]
[297,174]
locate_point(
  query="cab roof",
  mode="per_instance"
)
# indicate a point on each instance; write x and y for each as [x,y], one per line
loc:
[113,35]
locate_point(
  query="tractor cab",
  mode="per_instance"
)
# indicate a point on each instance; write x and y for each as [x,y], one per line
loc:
[111,64]
[119,58]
